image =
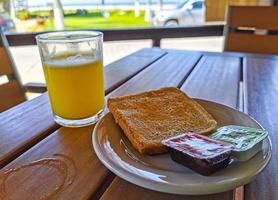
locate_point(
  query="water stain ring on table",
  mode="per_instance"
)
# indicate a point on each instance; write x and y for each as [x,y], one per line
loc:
[57,172]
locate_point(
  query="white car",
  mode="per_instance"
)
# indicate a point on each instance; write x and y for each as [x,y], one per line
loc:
[189,12]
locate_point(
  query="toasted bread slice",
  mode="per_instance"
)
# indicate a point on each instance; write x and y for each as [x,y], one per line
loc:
[149,117]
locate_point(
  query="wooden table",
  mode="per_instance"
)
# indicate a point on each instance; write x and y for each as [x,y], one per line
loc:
[28,132]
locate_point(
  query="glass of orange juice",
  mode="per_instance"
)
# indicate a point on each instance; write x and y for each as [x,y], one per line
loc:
[73,69]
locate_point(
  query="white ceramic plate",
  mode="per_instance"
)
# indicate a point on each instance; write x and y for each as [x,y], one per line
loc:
[162,174]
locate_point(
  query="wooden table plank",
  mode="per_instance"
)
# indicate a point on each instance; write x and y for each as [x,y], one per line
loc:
[122,190]
[129,66]
[73,143]
[226,53]
[215,78]
[26,124]
[260,101]
[76,143]
[170,70]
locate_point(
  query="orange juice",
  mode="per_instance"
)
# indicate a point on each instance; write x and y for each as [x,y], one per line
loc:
[75,86]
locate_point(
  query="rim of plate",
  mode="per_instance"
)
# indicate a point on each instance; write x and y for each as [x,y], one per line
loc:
[170,188]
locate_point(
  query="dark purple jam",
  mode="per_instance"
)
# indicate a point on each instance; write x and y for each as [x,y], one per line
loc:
[200,153]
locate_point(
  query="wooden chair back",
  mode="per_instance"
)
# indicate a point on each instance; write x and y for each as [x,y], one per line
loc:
[11,91]
[252,29]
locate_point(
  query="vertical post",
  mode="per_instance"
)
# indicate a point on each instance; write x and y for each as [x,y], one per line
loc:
[160,4]
[104,12]
[136,8]
[58,15]
[12,10]
[102,5]
[148,11]
[156,42]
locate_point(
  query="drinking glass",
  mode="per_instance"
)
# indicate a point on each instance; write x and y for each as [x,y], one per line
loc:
[73,69]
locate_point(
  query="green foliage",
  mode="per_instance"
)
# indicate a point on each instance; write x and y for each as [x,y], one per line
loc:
[94,13]
[22,14]
[95,19]
[40,13]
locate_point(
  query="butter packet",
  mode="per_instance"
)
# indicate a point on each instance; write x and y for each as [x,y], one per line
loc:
[247,141]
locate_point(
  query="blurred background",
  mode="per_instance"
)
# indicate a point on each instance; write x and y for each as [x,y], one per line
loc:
[27,16]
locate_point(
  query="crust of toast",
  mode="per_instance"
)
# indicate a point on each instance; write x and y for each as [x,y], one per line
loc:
[149,117]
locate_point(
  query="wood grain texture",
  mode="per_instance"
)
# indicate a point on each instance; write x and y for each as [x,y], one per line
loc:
[120,71]
[247,16]
[252,43]
[215,78]
[10,95]
[226,54]
[26,124]
[216,9]
[170,70]
[122,190]
[76,143]
[19,133]
[84,169]
[12,92]
[5,66]
[133,34]
[245,41]
[6,59]
[260,101]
